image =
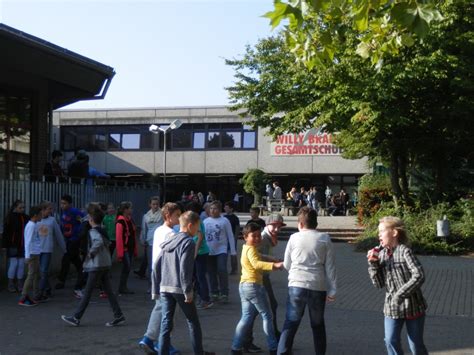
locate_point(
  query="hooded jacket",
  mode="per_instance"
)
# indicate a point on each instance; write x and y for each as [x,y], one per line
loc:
[173,271]
[98,255]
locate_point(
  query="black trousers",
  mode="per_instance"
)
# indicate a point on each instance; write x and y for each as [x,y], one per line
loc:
[103,278]
[72,256]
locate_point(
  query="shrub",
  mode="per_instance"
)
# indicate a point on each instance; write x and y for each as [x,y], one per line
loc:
[374,190]
[421,227]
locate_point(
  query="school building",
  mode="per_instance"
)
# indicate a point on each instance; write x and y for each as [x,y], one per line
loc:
[210,151]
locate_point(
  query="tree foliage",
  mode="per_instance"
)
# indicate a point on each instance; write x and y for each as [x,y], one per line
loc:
[254,182]
[317,28]
[414,114]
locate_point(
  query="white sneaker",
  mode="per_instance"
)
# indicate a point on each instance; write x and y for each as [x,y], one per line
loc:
[78,294]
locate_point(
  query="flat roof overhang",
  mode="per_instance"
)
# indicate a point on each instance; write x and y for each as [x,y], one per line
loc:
[71,77]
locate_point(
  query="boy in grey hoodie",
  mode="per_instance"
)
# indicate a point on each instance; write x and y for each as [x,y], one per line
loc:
[175,272]
[97,263]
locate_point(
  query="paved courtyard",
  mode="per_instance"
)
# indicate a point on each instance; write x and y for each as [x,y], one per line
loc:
[354,322]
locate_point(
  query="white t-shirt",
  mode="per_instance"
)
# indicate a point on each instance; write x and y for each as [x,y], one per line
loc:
[219,235]
[158,238]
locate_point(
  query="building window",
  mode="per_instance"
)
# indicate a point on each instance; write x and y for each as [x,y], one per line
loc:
[213,140]
[130,141]
[199,140]
[215,136]
[182,139]
[249,140]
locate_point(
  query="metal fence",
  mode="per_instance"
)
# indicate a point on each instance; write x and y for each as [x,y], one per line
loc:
[33,192]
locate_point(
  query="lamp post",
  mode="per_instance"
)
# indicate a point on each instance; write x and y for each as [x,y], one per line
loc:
[165,129]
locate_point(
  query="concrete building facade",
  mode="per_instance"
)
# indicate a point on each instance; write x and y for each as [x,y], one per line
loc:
[212,149]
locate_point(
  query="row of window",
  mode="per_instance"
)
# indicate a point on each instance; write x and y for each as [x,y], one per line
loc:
[215,136]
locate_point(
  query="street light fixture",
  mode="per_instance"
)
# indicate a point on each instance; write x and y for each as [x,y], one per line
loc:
[165,129]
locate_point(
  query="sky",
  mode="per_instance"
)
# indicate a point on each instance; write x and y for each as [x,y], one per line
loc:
[164,52]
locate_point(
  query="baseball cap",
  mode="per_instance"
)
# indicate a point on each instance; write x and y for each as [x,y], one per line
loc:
[275,218]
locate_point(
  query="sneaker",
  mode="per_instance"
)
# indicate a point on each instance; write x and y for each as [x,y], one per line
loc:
[59,286]
[252,349]
[27,302]
[224,299]
[103,294]
[11,287]
[173,350]
[71,320]
[42,299]
[214,297]
[126,292]
[117,321]
[78,294]
[146,344]
[205,305]
[139,275]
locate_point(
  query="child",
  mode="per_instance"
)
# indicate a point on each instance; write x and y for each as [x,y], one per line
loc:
[219,237]
[70,227]
[235,223]
[14,241]
[97,264]
[49,232]
[126,243]
[202,253]
[254,217]
[109,225]
[32,254]
[170,213]
[269,241]
[150,221]
[397,269]
[175,273]
[252,293]
[309,259]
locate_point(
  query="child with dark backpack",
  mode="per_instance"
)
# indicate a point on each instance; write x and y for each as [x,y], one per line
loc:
[97,264]
[14,242]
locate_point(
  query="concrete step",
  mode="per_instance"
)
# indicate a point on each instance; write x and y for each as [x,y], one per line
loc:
[337,235]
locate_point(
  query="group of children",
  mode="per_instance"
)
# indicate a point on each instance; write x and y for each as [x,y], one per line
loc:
[188,256]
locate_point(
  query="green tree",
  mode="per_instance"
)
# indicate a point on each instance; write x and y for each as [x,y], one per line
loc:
[413,114]
[254,182]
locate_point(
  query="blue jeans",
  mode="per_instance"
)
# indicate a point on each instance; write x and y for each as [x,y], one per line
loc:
[298,298]
[153,329]
[393,329]
[254,301]
[218,276]
[45,260]
[168,307]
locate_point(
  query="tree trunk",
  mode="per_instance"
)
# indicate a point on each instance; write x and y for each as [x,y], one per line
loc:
[440,170]
[404,179]
[394,178]
[256,199]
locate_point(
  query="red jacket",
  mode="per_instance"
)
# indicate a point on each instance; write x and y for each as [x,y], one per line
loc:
[125,233]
